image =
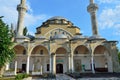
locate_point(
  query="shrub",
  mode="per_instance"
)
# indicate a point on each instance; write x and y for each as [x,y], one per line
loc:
[21,76]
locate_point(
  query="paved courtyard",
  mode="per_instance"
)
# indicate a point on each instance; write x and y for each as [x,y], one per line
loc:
[65,77]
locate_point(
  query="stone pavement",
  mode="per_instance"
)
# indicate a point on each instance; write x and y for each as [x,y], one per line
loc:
[59,77]
[65,77]
[112,78]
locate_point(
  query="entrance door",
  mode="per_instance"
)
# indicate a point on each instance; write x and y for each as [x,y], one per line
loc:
[23,67]
[59,68]
[77,64]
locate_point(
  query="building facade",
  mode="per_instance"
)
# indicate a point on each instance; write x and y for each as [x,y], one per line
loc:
[60,47]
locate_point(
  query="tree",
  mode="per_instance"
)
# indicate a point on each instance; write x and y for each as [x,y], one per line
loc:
[6,50]
[25,31]
[119,55]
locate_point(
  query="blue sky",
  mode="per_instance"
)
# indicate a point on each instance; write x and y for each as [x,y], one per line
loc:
[74,10]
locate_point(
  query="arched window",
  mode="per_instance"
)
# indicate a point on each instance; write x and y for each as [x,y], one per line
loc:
[48,67]
[55,33]
[76,52]
[41,52]
[24,52]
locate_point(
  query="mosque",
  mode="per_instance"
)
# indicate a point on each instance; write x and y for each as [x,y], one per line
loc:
[59,47]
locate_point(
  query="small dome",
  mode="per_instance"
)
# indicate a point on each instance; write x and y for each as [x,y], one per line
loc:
[40,37]
[60,36]
[22,37]
[96,37]
[79,36]
[57,17]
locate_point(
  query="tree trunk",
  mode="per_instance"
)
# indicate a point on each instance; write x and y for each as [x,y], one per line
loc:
[2,70]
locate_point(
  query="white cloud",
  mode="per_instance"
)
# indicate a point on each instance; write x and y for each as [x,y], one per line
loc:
[110,18]
[108,1]
[8,10]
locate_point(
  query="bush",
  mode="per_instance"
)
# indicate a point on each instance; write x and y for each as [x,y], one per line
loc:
[21,76]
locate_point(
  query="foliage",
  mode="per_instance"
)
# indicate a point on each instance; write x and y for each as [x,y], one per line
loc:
[7,78]
[119,55]
[25,31]
[21,76]
[6,53]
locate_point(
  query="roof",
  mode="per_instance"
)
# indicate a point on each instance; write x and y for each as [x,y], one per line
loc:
[58,18]
[40,37]
[96,37]
[79,37]
[22,37]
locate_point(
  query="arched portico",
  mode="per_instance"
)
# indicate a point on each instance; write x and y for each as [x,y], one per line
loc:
[81,59]
[20,58]
[102,59]
[39,59]
[61,60]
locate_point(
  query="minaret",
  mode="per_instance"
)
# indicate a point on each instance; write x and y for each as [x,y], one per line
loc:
[92,9]
[22,9]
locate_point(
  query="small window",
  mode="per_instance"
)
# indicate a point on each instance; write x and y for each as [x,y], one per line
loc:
[50,37]
[76,52]
[48,67]
[52,22]
[55,33]
[59,21]
[41,52]
[24,52]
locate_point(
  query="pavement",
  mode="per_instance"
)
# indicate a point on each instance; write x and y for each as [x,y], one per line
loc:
[66,77]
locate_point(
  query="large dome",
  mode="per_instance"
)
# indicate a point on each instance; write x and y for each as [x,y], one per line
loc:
[57,18]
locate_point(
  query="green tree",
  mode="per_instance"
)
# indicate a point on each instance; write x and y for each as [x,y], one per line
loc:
[25,31]
[6,50]
[119,55]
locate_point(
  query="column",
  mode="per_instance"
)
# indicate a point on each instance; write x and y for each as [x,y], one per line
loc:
[69,63]
[7,66]
[41,69]
[28,61]
[15,68]
[72,63]
[110,67]
[92,62]
[50,64]
[53,63]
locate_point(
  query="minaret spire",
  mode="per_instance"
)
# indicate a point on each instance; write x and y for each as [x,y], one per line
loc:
[23,2]
[21,8]
[92,9]
[91,1]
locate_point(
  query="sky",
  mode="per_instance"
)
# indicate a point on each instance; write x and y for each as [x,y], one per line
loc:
[75,11]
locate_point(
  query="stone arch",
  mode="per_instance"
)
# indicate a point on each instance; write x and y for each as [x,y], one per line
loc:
[54,49]
[20,49]
[102,59]
[39,49]
[39,58]
[81,49]
[101,49]
[58,50]
[61,58]
[58,30]
[81,58]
